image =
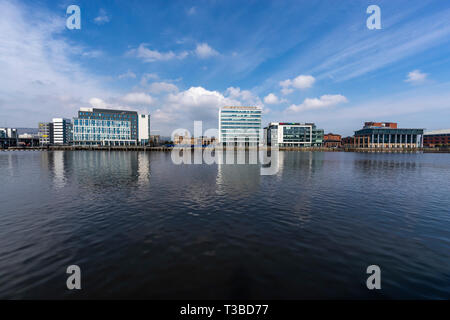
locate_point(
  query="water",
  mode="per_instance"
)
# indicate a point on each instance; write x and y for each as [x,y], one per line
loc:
[141,227]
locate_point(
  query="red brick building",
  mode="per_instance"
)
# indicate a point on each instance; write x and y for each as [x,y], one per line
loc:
[331,140]
[437,138]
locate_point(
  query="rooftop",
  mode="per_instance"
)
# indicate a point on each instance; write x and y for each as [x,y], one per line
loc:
[443,131]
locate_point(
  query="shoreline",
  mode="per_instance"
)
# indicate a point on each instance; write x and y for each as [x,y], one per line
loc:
[166,149]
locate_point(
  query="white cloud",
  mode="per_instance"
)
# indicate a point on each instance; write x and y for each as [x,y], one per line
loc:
[197,103]
[41,74]
[416,77]
[99,103]
[128,74]
[204,51]
[273,99]
[102,17]
[245,96]
[158,87]
[318,103]
[148,55]
[138,98]
[300,82]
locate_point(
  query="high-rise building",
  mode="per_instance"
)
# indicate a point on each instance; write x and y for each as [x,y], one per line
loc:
[293,134]
[45,133]
[239,125]
[144,129]
[62,131]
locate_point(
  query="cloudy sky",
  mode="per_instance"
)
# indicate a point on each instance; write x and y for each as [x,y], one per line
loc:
[302,61]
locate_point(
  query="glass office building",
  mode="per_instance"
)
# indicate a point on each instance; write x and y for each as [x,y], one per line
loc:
[102,132]
[105,127]
[293,134]
[239,125]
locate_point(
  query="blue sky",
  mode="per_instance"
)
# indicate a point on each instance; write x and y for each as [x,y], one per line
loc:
[303,61]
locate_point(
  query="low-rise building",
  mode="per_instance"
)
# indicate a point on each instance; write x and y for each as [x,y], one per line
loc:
[331,140]
[45,133]
[387,135]
[8,137]
[348,141]
[436,138]
[293,134]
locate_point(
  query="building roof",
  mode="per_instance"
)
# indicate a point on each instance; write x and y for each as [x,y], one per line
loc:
[443,131]
[241,108]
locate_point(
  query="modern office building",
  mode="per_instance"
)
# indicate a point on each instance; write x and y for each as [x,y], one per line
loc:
[62,131]
[387,135]
[45,132]
[293,134]
[110,114]
[110,127]
[144,129]
[239,125]
[8,137]
[331,140]
[437,138]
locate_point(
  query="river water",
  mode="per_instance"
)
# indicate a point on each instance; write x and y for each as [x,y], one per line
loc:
[139,226]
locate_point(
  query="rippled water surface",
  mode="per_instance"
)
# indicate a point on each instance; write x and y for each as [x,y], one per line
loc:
[141,227]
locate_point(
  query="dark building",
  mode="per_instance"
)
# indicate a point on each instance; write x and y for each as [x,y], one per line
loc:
[348,141]
[387,135]
[437,138]
[8,138]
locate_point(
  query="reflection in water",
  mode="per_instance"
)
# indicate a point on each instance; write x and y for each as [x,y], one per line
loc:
[143,168]
[224,231]
[59,180]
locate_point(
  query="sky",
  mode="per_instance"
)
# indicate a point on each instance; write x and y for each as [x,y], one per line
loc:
[180,61]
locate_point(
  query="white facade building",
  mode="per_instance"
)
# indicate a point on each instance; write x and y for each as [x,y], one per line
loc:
[239,125]
[143,129]
[62,131]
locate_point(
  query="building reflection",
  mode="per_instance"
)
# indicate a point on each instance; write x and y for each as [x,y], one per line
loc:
[98,170]
[237,172]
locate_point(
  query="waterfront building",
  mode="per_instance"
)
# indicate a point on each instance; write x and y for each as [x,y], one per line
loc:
[239,125]
[387,135]
[62,131]
[348,141]
[28,140]
[106,127]
[437,138]
[8,137]
[155,139]
[331,140]
[293,134]
[144,129]
[45,132]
